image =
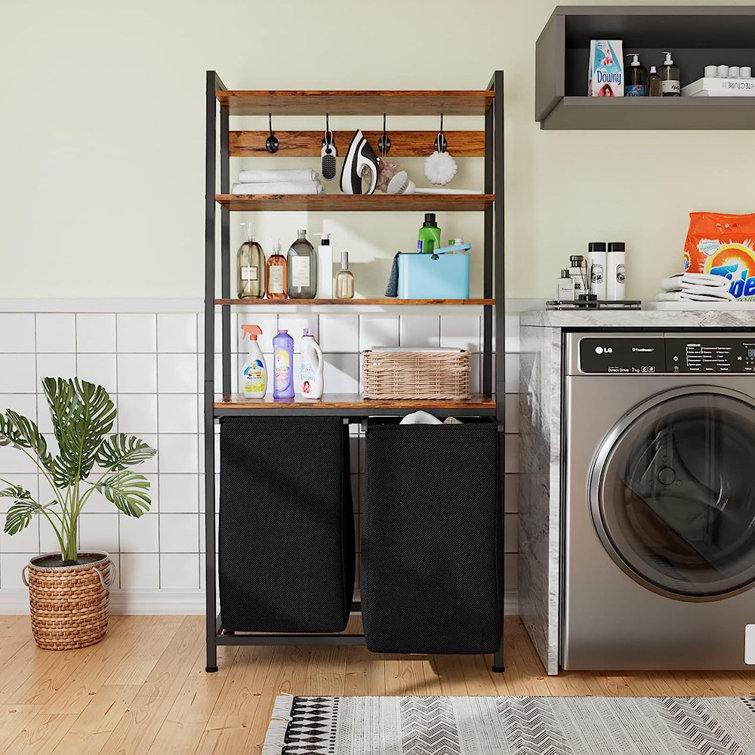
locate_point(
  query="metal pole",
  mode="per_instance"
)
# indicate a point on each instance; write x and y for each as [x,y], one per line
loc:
[225,252]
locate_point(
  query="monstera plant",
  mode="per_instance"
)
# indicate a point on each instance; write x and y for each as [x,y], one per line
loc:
[88,458]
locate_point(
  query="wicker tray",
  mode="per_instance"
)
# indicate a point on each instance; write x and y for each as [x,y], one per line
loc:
[424,375]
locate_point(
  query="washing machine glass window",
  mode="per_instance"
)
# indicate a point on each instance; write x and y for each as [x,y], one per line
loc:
[672,493]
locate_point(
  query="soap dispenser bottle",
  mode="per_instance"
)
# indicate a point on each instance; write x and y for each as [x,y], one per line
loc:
[670,82]
[345,279]
[302,268]
[654,83]
[636,79]
[250,264]
[276,274]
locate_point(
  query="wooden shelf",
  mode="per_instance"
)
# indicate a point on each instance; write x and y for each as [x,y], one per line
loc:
[354,202]
[357,102]
[358,302]
[349,404]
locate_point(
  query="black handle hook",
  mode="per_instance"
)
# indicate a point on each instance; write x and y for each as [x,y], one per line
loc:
[384,142]
[441,143]
[271,143]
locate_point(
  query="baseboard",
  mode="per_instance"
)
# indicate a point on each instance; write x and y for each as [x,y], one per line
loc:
[164,602]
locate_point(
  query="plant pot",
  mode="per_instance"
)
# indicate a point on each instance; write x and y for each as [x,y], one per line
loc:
[69,602]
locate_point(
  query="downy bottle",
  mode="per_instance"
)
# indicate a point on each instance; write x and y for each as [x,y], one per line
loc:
[302,269]
[250,265]
[311,370]
[276,274]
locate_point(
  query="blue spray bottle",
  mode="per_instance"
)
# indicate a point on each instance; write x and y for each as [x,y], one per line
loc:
[283,383]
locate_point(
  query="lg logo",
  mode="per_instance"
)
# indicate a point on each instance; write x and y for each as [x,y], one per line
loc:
[601,350]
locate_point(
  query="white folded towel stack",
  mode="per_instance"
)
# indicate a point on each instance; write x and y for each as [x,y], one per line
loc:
[695,287]
[278,181]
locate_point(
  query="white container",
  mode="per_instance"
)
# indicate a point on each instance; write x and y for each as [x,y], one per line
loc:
[254,369]
[324,267]
[615,271]
[720,87]
[310,383]
[596,266]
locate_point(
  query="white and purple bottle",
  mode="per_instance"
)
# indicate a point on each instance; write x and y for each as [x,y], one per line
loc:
[283,382]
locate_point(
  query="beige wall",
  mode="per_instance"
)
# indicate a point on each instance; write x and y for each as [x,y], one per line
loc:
[102,140]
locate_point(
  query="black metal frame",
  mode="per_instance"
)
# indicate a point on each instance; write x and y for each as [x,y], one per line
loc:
[217,140]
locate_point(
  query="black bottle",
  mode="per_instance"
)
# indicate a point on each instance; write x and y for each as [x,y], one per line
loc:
[636,84]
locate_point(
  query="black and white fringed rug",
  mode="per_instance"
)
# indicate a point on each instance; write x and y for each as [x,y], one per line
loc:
[511,726]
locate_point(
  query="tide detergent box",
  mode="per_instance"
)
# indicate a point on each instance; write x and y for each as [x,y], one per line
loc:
[605,76]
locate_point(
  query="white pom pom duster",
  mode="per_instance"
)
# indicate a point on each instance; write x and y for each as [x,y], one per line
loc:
[440,168]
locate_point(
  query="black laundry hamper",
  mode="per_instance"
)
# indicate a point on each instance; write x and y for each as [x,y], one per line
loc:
[432,538]
[286,538]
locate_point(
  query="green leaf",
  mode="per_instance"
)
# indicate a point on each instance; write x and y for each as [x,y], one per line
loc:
[82,414]
[23,433]
[120,451]
[15,491]
[128,491]
[20,514]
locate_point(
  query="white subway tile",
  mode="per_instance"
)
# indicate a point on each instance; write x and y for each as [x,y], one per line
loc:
[140,571]
[11,566]
[56,365]
[512,373]
[341,373]
[140,535]
[179,571]
[25,541]
[98,504]
[149,466]
[137,373]
[154,488]
[233,331]
[177,373]
[13,461]
[48,542]
[23,403]
[17,333]
[99,369]
[512,343]
[95,333]
[99,532]
[295,325]
[18,373]
[339,333]
[377,330]
[56,333]
[137,333]
[511,490]
[178,453]
[512,412]
[460,332]
[179,493]
[137,413]
[420,331]
[179,533]
[235,372]
[177,333]
[27,481]
[268,323]
[177,413]
[511,453]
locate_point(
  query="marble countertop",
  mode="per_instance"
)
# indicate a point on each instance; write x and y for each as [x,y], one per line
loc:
[640,318]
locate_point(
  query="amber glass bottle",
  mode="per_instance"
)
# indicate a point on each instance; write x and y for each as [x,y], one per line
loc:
[276,274]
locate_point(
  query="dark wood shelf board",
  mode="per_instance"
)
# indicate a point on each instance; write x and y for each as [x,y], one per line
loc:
[309,143]
[358,302]
[355,203]
[647,113]
[349,404]
[356,102]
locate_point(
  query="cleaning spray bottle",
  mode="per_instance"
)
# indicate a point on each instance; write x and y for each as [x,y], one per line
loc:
[283,348]
[311,372]
[254,371]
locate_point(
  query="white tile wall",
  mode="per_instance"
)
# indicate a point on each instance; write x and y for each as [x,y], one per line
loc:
[151,362]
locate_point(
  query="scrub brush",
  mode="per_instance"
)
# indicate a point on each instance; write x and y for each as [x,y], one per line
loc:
[328,153]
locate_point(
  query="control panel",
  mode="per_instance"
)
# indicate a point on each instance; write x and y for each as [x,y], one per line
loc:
[667,355]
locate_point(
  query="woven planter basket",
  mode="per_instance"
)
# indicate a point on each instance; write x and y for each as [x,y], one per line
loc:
[69,604]
[424,375]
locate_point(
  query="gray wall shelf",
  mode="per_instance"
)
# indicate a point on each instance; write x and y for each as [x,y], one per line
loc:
[696,35]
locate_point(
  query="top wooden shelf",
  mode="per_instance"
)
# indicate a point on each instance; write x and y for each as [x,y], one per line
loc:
[364,102]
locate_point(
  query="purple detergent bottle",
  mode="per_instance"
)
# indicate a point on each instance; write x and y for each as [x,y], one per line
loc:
[283,382]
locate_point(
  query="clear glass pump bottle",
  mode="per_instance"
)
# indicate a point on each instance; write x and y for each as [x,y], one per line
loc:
[250,266]
[345,279]
[302,268]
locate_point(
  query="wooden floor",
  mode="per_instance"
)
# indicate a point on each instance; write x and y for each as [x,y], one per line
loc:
[144,688]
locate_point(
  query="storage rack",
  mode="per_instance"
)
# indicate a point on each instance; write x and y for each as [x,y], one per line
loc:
[221,145]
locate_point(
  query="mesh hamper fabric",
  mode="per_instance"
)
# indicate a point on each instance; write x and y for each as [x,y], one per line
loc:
[431,575]
[286,537]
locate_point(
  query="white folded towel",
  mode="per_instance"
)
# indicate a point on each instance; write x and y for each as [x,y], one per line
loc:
[682,280]
[280,187]
[713,295]
[275,175]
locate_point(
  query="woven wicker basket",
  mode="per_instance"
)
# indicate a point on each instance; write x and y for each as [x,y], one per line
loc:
[416,375]
[69,604]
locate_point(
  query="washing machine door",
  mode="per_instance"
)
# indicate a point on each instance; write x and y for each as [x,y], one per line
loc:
[672,493]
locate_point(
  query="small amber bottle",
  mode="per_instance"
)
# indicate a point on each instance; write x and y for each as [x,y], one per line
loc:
[276,274]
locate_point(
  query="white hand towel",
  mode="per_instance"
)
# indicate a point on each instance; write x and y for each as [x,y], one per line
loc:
[281,187]
[717,292]
[691,296]
[675,282]
[274,175]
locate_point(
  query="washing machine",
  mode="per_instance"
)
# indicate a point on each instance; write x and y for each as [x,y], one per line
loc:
[658,495]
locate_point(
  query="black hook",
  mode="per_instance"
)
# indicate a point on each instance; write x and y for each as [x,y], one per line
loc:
[441,143]
[271,143]
[384,142]
[328,140]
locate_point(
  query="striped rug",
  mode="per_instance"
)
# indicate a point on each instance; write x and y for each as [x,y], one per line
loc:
[511,726]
